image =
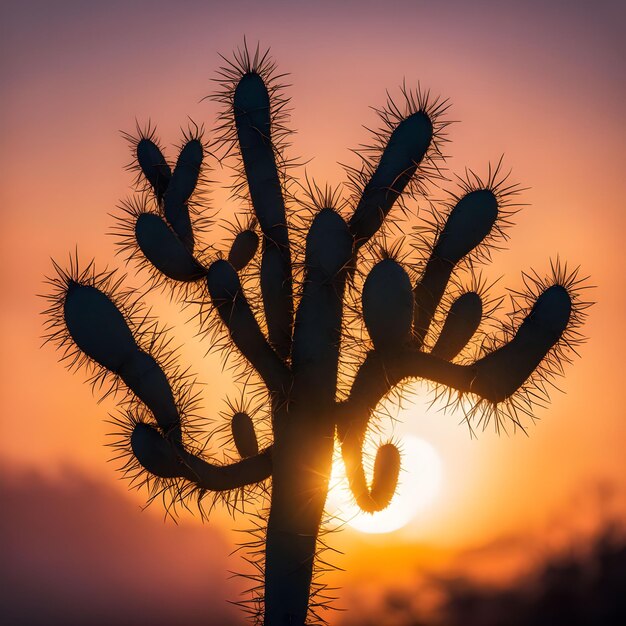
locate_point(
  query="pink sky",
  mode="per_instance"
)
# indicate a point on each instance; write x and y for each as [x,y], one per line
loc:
[542,85]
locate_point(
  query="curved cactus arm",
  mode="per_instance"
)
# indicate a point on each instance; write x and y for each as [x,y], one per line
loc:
[100,331]
[317,330]
[165,250]
[399,161]
[468,224]
[493,378]
[386,467]
[461,323]
[233,308]
[381,372]
[168,459]
[251,108]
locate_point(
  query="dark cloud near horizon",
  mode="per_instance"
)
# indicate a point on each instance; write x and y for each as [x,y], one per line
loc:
[76,552]
[578,588]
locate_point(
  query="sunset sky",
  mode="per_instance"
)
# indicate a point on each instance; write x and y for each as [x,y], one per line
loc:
[541,83]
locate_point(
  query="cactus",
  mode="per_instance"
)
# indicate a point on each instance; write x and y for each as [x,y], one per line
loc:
[323,338]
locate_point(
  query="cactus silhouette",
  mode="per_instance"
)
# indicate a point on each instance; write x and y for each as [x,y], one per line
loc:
[326,318]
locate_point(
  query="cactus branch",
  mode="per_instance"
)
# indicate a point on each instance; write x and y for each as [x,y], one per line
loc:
[468,224]
[165,250]
[179,189]
[99,329]
[233,308]
[463,320]
[167,459]
[251,109]
[406,148]
[386,469]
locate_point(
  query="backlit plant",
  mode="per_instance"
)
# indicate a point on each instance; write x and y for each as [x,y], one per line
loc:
[326,313]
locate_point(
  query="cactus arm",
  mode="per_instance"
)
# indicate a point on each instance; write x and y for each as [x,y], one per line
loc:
[398,163]
[318,321]
[248,471]
[387,303]
[251,108]
[494,377]
[468,224]
[233,308]
[461,323]
[165,250]
[99,329]
[381,372]
[501,372]
[166,458]
[179,189]
[386,469]
[154,166]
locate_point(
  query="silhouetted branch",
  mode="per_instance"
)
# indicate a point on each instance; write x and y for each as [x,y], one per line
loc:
[231,304]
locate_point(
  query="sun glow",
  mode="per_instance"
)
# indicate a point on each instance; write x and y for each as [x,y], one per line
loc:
[419,484]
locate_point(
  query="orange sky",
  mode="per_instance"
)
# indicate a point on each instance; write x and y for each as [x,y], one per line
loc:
[543,86]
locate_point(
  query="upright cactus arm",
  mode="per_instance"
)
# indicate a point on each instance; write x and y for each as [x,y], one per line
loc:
[251,110]
[230,302]
[469,223]
[152,162]
[318,322]
[99,330]
[179,189]
[164,237]
[172,189]
[462,321]
[405,148]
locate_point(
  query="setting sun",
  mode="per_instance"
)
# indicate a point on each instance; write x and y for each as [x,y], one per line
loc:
[420,483]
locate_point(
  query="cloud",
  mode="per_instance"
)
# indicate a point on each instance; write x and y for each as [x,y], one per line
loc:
[581,586]
[77,552]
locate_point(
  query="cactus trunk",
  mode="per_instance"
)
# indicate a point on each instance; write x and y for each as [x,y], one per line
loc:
[302,460]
